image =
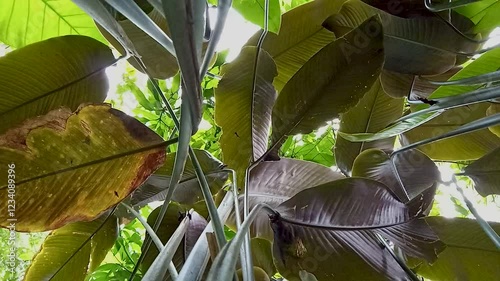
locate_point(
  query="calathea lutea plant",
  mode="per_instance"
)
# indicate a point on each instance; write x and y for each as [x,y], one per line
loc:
[401,76]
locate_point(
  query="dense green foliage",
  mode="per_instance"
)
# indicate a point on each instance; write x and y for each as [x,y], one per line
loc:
[324,140]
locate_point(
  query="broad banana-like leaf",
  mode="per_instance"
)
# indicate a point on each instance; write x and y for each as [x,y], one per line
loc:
[301,36]
[244,115]
[487,62]
[169,224]
[274,182]
[423,114]
[43,147]
[254,12]
[469,146]
[374,112]
[483,13]
[485,172]
[330,231]
[410,175]
[188,190]
[158,61]
[74,250]
[403,9]
[26,22]
[396,85]
[420,45]
[469,253]
[62,71]
[318,93]
[399,85]
[446,103]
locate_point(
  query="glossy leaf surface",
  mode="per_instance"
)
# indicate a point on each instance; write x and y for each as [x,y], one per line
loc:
[337,221]
[274,182]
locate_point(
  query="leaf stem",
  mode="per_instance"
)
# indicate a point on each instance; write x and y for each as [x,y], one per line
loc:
[212,210]
[401,263]
[222,11]
[223,266]
[146,225]
[171,267]
[157,269]
[483,223]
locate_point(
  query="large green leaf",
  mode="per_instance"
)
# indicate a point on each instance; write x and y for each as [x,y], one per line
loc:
[399,85]
[188,190]
[274,182]
[486,173]
[318,92]
[464,147]
[487,62]
[300,37]
[330,231]
[373,112]
[411,175]
[26,22]
[253,11]
[245,115]
[48,199]
[158,61]
[484,14]
[469,254]
[419,45]
[63,71]
[74,250]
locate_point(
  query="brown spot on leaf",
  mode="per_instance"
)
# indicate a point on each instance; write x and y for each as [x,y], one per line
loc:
[16,137]
[136,128]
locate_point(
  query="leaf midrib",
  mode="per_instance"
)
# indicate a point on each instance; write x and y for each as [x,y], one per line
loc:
[339,228]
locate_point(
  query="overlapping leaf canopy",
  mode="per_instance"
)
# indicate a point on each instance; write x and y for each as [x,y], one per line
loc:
[361,62]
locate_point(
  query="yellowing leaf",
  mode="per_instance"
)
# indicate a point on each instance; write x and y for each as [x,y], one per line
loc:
[62,139]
